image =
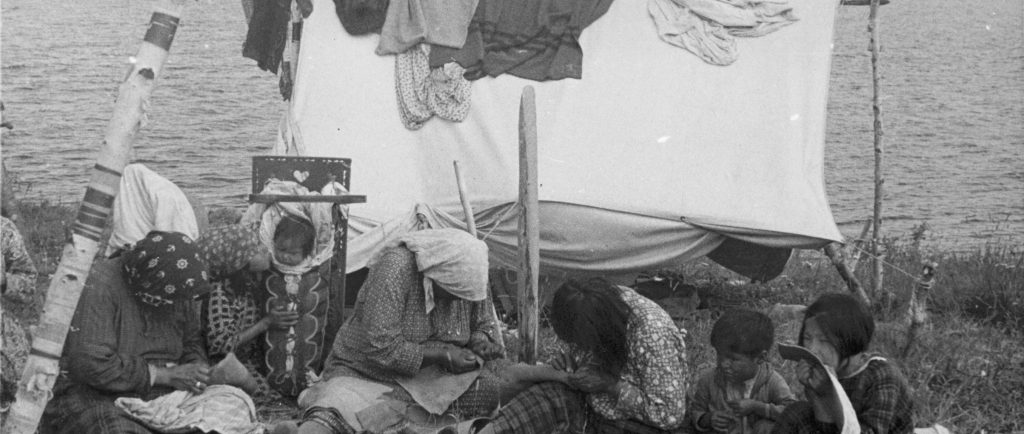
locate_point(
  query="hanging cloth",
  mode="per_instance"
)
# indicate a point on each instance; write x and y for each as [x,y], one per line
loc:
[423,93]
[268,31]
[410,22]
[533,39]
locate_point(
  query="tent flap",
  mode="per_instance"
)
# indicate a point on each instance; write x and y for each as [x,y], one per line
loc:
[637,160]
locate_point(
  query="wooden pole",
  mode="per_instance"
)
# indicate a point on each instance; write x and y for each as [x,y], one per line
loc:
[918,309]
[835,254]
[467,209]
[854,252]
[42,367]
[529,228]
[876,107]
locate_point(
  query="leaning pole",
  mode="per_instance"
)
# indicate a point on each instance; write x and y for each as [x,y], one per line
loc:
[36,386]
[876,109]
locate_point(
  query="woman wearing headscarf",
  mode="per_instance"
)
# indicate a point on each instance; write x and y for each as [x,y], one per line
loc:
[135,335]
[424,308]
[232,317]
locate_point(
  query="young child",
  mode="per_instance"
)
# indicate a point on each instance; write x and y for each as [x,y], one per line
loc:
[742,394]
[838,329]
[293,240]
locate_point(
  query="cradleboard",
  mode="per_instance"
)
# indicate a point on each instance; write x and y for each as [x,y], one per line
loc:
[294,353]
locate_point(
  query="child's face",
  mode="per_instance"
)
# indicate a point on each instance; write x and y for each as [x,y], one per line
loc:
[736,367]
[816,341]
[288,251]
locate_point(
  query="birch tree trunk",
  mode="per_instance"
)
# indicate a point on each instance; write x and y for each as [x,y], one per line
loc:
[36,386]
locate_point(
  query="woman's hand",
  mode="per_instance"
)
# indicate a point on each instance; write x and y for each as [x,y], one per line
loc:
[592,380]
[192,377]
[563,361]
[460,361]
[280,317]
[815,380]
[487,350]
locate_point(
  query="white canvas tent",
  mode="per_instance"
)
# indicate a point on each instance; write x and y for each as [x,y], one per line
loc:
[652,159]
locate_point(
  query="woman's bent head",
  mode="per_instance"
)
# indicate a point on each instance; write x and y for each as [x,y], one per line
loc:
[838,321]
[591,315]
[165,267]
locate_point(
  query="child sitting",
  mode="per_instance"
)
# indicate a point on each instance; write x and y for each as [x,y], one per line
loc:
[742,393]
[838,329]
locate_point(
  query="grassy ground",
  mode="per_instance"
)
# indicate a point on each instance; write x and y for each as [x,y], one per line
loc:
[966,367]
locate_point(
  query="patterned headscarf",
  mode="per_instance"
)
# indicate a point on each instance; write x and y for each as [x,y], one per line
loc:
[228,249]
[165,267]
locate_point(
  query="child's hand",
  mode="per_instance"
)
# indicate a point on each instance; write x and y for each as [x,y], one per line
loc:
[744,407]
[280,317]
[814,380]
[722,420]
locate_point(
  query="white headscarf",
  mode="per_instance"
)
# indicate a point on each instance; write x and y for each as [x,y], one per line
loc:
[453,259]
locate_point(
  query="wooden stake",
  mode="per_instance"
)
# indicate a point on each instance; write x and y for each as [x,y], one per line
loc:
[529,228]
[835,254]
[467,209]
[876,107]
[918,309]
[854,252]
[42,367]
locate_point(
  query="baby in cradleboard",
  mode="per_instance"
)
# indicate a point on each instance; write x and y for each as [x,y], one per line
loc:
[837,328]
[742,393]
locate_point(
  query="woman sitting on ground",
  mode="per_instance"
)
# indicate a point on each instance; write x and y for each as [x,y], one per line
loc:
[424,306]
[233,316]
[626,359]
[135,334]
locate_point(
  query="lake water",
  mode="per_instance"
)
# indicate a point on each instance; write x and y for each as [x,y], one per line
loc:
[952,106]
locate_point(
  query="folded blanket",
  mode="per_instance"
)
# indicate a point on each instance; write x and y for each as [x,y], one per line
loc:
[223,409]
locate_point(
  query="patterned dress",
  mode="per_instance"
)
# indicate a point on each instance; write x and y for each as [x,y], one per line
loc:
[19,286]
[382,341]
[232,307]
[652,393]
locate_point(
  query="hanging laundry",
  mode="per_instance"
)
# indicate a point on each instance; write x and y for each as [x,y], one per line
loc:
[268,30]
[361,17]
[410,22]
[424,92]
[533,39]
[708,28]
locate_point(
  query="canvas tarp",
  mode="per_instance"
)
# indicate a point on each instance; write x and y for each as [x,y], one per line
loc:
[653,158]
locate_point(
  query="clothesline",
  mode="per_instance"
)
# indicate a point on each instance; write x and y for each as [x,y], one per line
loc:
[890,264]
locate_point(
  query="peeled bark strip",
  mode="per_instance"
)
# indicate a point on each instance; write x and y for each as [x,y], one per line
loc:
[529,228]
[41,369]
